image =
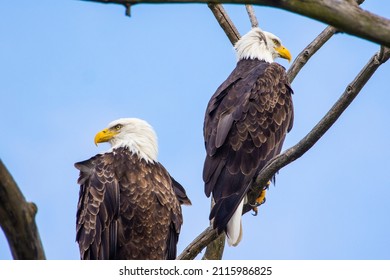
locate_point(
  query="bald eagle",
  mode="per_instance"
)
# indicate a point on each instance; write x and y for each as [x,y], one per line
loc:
[129,205]
[245,124]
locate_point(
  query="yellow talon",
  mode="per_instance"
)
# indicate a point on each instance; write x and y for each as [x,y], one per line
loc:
[260,200]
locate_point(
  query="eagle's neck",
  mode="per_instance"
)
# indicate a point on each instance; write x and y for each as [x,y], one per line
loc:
[144,146]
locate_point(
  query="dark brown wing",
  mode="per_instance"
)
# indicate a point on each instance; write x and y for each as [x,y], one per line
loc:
[245,125]
[98,208]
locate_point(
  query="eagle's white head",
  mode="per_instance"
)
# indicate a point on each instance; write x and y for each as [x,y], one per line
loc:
[262,45]
[135,134]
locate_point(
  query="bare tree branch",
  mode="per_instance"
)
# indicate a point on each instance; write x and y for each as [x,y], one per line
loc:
[309,51]
[128,10]
[252,16]
[345,15]
[17,219]
[214,250]
[199,243]
[225,22]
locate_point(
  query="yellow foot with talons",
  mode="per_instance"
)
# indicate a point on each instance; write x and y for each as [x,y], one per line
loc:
[260,200]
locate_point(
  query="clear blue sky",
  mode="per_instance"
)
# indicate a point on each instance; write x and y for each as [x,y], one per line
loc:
[68,68]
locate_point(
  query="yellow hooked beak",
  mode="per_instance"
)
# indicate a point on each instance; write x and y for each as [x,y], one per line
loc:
[284,53]
[104,136]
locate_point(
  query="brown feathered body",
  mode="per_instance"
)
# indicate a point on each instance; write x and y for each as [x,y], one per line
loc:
[128,208]
[245,125]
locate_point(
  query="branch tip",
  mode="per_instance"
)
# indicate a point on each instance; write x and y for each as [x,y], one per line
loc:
[128,9]
[252,16]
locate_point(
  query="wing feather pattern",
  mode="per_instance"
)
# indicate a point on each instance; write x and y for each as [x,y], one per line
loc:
[98,208]
[245,125]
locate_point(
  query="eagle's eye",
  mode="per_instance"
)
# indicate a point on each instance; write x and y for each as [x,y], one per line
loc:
[118,126]
[276,42]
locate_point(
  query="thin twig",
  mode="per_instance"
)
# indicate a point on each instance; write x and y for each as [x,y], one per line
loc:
[252,16]
[309,51]
[128,9]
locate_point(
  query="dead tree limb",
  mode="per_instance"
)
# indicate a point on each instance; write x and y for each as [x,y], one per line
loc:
[309,51]
[225,22]
[345,15]
[252,16]
[17,219]
[198,244]
[214,250]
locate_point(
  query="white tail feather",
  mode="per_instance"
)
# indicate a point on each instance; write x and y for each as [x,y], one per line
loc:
[234,227]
